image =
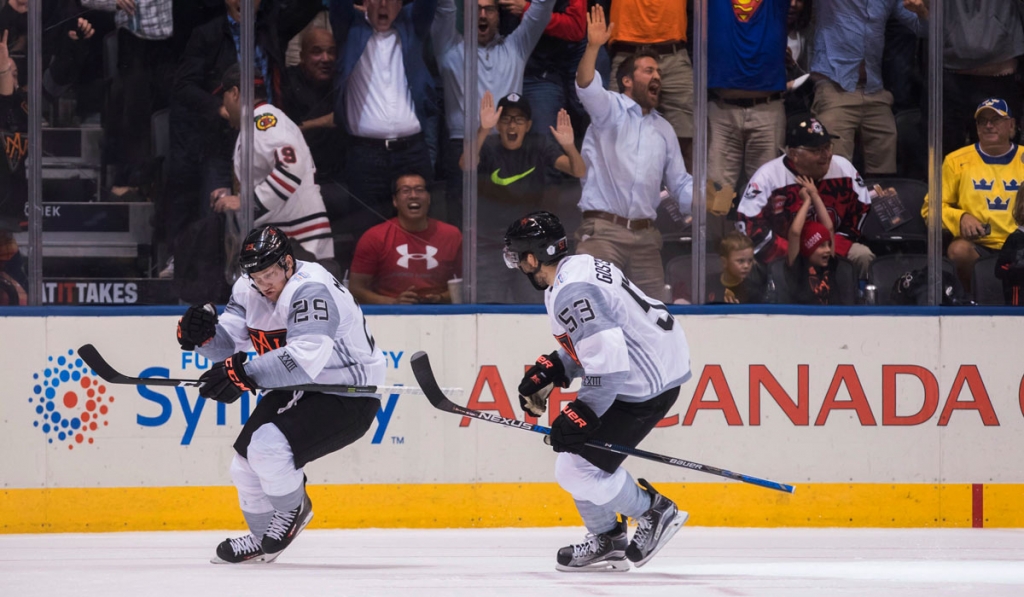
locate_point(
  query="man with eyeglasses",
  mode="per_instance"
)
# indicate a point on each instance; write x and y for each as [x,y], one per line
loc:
[501,62]
[979,186]
[410,258]
[772,197]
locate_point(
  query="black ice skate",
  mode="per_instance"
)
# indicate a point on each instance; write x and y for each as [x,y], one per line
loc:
[603,552]
[285,527]
[655,527]
[243,550]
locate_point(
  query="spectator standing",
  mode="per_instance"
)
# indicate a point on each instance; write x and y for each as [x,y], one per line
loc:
[978,66]
[285,193]
[746,80]
[846,65]
[410,258]
[661,26]
[773,195]
[979,183]
[501,62]
[630,151]
[201,142]
[386,96]
[514,179]
[145,72]
[799,34]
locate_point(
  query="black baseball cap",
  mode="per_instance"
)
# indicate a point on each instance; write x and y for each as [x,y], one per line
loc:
[233,78]
[514,100]
[806,131]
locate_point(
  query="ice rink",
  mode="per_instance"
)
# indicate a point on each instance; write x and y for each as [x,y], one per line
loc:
[417,563]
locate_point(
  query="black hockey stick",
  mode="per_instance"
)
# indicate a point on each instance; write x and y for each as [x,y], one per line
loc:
[425,377]
[97,363]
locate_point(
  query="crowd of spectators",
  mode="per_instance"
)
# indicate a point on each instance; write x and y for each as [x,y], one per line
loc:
[586,109]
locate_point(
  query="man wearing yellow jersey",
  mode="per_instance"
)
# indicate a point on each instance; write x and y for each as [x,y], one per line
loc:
[979,183]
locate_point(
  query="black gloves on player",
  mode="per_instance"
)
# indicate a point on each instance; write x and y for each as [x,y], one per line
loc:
[571,430]
[227,380]
[197,326]
[537,383]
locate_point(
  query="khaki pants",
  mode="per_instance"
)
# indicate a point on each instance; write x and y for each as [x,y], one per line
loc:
[861,257]
[676,89]
[743,139]
[845,112]
[636,252]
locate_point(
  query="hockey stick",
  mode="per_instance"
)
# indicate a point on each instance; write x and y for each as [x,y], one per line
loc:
[97,363]
[436,395]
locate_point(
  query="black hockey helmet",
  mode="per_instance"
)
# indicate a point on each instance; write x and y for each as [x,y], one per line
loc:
[262,248]
[539,233]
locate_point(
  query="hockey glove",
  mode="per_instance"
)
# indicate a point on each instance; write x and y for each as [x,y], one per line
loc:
[197,326]
[227,380]
[546,371]
[571,430]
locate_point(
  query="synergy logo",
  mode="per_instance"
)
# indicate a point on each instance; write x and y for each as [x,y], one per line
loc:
[71,403]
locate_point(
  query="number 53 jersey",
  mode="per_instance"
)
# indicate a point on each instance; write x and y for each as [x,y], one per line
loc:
[615,333]
[315,333]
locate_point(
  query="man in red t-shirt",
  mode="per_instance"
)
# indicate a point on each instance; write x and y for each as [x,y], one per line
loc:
[410,258]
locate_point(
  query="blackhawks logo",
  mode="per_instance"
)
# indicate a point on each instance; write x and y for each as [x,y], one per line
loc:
[266,121]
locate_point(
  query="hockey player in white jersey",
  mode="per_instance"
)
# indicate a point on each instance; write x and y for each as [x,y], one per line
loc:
[632,356]
[282,171]
[306,328]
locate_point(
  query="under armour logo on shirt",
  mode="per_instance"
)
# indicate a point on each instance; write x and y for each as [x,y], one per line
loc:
[403,261]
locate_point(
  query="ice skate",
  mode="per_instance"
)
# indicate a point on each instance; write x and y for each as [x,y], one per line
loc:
[285,527]
[655,527]
[243,550]
[605,552]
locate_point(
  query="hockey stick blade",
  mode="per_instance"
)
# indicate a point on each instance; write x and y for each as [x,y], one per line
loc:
[97,363]
[424,374]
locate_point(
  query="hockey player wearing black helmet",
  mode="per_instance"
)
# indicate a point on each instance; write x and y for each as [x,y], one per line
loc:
[632,356]
[305,328]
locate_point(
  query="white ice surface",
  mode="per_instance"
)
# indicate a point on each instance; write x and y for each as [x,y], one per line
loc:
[419,563]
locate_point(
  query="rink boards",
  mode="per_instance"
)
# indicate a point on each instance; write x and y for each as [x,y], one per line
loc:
[903,421]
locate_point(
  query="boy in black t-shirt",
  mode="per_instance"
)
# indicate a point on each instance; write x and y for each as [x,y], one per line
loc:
[743,280]
[812,264]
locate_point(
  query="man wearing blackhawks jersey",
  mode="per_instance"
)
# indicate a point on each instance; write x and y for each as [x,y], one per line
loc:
[306,329]
[772,197]
[282,170]
[633,356]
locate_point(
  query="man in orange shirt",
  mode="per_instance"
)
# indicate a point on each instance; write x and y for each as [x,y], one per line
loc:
[662,26]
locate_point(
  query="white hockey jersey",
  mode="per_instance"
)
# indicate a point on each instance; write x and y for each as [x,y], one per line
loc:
[315,333]
[628,345]
[282,173]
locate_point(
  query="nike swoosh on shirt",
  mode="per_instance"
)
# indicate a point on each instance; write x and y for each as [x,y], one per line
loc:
[511,179]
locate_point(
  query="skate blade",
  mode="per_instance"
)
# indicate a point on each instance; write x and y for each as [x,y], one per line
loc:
[666,535]
[257,560]
[605,566]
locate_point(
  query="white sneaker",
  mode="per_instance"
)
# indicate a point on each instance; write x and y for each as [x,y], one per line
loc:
[168,271]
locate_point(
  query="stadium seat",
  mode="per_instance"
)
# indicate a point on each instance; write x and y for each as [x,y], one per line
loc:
[886,269]
[987,288]
[910,236]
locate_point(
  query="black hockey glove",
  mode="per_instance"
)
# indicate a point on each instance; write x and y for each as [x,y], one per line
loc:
[546,371]
[572,428]
[197,326]
[226,380]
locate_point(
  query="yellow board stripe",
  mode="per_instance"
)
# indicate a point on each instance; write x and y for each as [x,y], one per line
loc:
[507,505]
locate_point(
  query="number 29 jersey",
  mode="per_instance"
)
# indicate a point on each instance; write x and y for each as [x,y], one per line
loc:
[314,333]
[609,326]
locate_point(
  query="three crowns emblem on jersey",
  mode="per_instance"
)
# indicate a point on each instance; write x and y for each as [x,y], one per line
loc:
[406,256]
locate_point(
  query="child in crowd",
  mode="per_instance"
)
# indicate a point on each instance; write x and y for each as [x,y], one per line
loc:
[812,265]
[1010,262]
[743,280]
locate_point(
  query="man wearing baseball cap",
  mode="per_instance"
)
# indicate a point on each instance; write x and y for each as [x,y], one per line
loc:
[772,198]
[979,186]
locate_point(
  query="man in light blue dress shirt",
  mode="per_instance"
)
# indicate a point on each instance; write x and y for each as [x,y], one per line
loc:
[630,152]
[846,65]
